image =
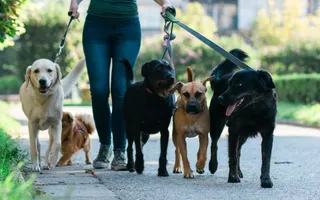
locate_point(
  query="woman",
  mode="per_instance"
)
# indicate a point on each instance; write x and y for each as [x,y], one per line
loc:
[111,32]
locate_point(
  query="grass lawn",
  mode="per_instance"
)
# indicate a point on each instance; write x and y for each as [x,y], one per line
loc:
[302,114]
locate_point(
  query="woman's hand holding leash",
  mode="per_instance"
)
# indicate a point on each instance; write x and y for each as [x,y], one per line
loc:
[74,5]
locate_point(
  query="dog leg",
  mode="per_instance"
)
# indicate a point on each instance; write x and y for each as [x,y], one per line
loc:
[139,164]
[56,144]
[39,151]
[202,153]
[162,171]
[130,138]
[187,172]
[34,152]
[242,140]
[87,151]
[64,159]
[48,150]
[266,150]
[177,163]
[217,123]
[233,146]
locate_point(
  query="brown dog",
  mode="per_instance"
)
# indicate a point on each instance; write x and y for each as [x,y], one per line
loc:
[75,136]
[191,119]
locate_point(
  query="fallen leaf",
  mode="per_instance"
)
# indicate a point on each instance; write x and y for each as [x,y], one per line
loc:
[89,171]
[39,192]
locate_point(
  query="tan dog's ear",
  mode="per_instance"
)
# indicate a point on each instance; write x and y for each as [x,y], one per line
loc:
[178,87]
[210,78]
[59,75]
[27,75]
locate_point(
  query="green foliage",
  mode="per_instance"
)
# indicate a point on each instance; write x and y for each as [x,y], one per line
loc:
[301,113]
[190,51]
[10,25]
[277,26]
[11,190]
[45,24]
[299,88]
[301,56]
[9,84]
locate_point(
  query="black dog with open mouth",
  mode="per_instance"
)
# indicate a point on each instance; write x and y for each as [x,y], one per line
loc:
[245,100]
[148,108]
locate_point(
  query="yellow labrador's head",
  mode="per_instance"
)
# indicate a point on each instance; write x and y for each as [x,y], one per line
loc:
[43,75]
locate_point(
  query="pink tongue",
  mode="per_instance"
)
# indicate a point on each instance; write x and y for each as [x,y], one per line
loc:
[43,89]
[230,109]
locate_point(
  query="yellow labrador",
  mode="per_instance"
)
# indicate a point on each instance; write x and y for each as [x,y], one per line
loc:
[42,96]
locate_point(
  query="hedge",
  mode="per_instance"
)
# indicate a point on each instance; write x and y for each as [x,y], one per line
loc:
[299,88]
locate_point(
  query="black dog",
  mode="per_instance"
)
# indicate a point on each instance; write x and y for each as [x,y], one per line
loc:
[148,108]
[246,101]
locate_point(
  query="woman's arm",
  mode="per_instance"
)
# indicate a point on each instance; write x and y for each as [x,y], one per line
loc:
[164,5]
[74,5]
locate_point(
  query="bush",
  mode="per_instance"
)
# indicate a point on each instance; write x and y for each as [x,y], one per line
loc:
[190,51]
[9,85]
[301,56]
[299,88]
[10,25]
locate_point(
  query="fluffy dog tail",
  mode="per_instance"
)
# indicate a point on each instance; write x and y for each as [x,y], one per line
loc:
[190,74]
[226,66]
[129,71]
[88,121]
[72,78]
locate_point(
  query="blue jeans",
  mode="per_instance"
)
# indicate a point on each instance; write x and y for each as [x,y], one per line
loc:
[105,39]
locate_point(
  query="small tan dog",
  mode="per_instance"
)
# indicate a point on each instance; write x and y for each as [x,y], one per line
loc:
[75,136]
[191,119]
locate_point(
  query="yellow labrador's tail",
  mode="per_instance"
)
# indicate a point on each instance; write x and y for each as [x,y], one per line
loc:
[88,121]
[72,78]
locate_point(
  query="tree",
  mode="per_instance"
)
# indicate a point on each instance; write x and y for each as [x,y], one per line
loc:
[10,26]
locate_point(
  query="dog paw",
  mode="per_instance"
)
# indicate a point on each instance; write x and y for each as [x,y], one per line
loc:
[163,172]
[240,173]
[36,168]
[233,178]
[139,167]
[188,174]
[266,183]
[70,163]
[88,162]
[200,171]
[213,166]
[177,170]
[130,167]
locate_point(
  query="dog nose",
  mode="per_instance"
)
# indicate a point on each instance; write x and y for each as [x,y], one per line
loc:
[42,81]
[221,100]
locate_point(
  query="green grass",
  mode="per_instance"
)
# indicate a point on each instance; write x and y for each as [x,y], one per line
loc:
[303,114]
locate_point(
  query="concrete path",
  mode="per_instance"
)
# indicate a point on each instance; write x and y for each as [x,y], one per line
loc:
[295,171]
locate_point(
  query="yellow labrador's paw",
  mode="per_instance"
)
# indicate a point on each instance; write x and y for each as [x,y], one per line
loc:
[188,174]
[36,167]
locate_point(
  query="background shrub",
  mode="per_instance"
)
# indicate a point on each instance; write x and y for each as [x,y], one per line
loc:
[9,84]
[299,88]
[302,56]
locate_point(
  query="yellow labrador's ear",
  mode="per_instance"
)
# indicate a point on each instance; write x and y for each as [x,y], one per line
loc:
[27,75]
[59,75]
[178,87]
[210,78]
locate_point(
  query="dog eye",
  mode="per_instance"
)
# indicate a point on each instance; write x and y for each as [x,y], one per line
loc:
[36,71]
[239,85]
[49,70]
[186,94]
[198,95]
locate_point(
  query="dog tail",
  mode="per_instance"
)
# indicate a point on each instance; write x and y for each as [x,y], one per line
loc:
[88,121]
[190,74]
[72,78]
[226,66]
[129,71]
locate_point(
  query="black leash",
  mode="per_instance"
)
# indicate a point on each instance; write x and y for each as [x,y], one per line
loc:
[170,16]
[61,46]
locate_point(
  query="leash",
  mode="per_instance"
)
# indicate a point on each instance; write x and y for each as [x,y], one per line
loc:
[61,46]
[167,38]
[170,16]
